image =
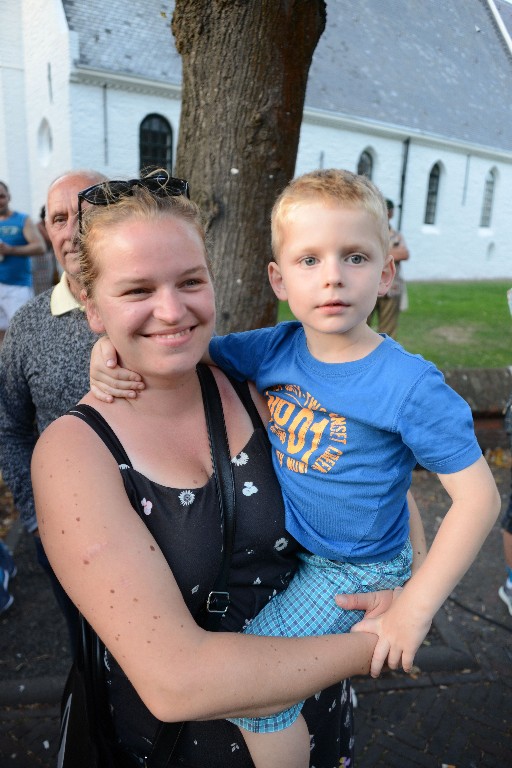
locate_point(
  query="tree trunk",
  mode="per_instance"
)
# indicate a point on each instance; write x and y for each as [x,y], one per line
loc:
[245,69]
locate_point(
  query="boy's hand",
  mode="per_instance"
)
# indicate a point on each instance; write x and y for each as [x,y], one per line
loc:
[108,380]
[372,603]
[401,630]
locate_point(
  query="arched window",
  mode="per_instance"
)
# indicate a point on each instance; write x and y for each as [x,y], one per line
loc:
[490,183]
[365,164]
[155,143]
[432,194]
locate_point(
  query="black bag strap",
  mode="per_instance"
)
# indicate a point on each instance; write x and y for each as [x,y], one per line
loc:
[218,599]
[244,394]
[217,602]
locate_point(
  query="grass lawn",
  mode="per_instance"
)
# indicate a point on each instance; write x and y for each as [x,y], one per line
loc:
[456,325]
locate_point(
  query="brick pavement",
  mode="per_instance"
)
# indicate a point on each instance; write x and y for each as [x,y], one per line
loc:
[455,710]
[28,736]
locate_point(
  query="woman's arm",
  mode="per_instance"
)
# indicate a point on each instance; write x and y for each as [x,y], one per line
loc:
[115,573]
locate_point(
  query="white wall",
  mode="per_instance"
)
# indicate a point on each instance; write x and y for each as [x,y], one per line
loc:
[61,123]
[455,247]
[47,63]
[14,164]
[334,147]
[105,126]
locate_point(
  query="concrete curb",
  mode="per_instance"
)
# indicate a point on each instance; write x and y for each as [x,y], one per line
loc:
[486,390]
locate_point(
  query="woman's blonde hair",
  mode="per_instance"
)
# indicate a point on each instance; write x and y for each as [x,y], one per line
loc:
[333,187]
[139,205]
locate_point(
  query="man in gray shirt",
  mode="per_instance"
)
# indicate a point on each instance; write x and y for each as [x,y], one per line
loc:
[44,363]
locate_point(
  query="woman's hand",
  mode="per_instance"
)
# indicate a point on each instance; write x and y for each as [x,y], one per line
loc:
[108,380]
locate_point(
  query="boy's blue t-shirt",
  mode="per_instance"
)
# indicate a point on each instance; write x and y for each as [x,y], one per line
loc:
[346,436]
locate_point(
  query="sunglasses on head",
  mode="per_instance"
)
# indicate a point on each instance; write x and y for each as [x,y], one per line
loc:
[109,192]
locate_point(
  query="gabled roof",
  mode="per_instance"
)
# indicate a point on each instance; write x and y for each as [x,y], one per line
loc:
[505,11]
[426,65]
[131,38]
[433,66]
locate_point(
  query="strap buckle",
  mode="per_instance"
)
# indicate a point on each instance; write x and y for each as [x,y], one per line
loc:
[217,602]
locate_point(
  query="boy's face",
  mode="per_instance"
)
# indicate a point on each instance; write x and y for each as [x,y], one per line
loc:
[332,267]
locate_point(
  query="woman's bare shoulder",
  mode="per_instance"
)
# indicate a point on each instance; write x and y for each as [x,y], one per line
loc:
[66,443]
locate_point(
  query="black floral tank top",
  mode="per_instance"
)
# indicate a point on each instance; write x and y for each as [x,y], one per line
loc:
[186,525]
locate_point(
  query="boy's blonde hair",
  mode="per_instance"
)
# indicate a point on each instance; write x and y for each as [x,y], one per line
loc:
[333,187]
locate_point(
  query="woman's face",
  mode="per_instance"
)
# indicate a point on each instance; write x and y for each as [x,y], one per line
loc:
[153,295]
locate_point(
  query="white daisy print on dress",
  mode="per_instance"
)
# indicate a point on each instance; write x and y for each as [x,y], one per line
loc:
[124,466]
[147,506]
[186,498]
[240,460]
[249,489]
[281,544]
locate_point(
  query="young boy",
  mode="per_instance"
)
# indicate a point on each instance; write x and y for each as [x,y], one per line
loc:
[351,414]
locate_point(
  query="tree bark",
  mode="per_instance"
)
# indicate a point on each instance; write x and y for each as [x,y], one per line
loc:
[245,69]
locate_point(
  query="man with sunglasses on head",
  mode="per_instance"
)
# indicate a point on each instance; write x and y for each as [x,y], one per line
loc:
[44,363]
[19,240]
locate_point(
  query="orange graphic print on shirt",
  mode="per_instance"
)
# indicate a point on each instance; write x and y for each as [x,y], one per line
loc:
[311,437]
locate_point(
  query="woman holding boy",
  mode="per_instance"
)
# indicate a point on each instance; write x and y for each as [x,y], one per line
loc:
[351,414]
[137,543]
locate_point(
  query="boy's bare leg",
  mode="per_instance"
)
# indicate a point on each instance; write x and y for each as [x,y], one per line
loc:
[282,749]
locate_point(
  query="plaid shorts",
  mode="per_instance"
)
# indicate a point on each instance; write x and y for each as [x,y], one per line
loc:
[307,607]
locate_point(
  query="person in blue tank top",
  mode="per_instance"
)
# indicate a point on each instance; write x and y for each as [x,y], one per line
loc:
[19,240]
[351,414]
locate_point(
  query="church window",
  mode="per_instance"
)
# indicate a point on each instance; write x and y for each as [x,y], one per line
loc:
[432,194]
[365,164]
[486,215]
[155,143]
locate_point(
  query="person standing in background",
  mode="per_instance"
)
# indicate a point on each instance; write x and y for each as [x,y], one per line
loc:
[19,239]
[44,268]
[44,366]
[388,307]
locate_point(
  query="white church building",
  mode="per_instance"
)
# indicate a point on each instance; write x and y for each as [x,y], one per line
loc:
[415,93]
